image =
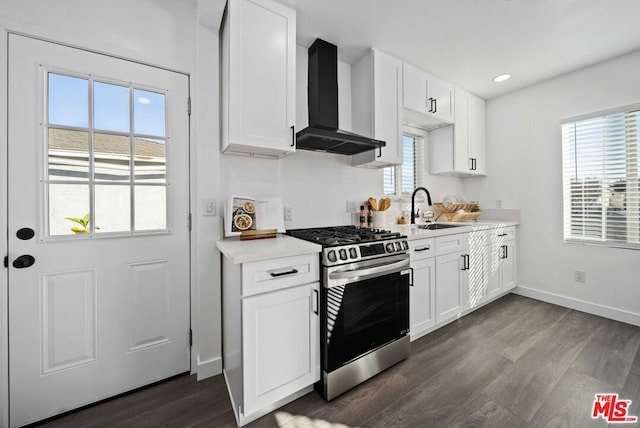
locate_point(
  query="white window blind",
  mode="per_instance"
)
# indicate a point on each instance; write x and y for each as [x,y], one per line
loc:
[401,179]
[600,168]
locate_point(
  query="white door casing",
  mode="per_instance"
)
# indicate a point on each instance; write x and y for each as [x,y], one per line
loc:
[97,314]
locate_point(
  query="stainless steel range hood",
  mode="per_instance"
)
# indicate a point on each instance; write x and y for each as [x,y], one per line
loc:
[323,133]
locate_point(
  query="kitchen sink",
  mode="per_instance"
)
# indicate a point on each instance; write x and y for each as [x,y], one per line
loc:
[436,226]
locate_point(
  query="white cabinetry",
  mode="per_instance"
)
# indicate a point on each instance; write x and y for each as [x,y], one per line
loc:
[428,101]
[455,274]
[258,71]
[376,102]
[460,149]
[502,260]
[270,332]
[422,293]
[451,276]
[477,260]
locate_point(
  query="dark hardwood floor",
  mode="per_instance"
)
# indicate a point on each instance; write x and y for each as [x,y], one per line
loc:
[517,362]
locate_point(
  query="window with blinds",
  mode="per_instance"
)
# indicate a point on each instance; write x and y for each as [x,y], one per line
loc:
[600,172]
[401,179]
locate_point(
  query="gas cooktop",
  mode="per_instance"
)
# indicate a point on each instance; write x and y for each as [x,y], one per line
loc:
[343,235]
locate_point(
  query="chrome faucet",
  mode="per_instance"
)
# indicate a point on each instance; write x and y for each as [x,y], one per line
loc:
[413,202]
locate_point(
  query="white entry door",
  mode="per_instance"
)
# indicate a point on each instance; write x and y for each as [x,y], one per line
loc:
[98,241]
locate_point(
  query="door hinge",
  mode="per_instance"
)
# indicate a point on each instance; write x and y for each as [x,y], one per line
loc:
[189,106]
[6,261]
[190,337]
[190,222]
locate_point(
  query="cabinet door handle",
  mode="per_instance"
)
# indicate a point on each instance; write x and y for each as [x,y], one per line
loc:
[468,257]
[315,311]
[435,105]
[464,261]
[380,151]
[422,248]
[411,280]
[505,252]
[293,136]
[289,272]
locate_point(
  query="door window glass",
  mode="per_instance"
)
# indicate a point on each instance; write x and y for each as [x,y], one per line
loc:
[68,101]
[93,142]
[68,154]
[111,107]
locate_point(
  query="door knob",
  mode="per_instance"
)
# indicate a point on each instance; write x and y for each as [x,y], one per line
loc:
[24,261]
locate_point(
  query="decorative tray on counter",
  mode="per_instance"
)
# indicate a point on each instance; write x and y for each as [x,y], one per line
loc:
[452,211]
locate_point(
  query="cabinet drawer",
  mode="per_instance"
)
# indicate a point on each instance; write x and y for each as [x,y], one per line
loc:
[422,248]
[268,275]
[450,243]
[507,233]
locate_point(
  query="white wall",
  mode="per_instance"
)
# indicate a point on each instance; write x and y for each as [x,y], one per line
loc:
[524,167]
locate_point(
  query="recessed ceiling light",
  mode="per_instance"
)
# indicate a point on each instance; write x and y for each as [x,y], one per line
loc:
[502,77]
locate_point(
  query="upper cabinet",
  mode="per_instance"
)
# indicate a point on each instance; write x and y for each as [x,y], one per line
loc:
[376,101]
[427,101]
[258,73]
[459,149]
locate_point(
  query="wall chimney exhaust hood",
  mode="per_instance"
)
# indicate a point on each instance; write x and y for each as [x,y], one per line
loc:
[323,133]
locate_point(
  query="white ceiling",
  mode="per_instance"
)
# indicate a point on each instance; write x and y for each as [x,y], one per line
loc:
[468,42]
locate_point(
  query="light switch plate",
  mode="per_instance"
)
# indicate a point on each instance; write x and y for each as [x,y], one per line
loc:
[208,207]
[288,213]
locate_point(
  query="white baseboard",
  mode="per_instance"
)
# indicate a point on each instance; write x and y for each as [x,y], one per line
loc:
[580,305]
[209,368]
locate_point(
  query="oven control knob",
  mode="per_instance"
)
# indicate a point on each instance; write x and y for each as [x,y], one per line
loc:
[353,253]
[390,247]
[331,255]
[398,246]
[343,254]
[405,245]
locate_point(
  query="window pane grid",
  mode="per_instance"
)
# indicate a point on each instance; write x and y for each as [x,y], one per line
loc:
[90,140]
[601,185]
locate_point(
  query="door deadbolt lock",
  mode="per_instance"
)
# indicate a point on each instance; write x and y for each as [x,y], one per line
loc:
[25,233]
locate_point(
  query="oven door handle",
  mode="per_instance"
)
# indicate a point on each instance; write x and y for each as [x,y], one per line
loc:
[369,272]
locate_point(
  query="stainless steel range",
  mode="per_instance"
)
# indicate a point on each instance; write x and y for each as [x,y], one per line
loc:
[364,303]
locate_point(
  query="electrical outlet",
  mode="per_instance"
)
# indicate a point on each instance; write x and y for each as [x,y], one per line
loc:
[352,206]
[579,276]
[288,213]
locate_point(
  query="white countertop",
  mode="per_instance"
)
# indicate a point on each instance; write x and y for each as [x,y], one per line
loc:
[412,232]
[286,246]
[264,249]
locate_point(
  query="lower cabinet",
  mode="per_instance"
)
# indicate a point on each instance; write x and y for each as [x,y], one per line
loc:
[270,332]
[455,274]
[280,344]
[477,254]
[502,261]
[451,279]
[422,293]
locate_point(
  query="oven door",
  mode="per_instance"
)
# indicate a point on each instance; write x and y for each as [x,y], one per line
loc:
[365,306]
